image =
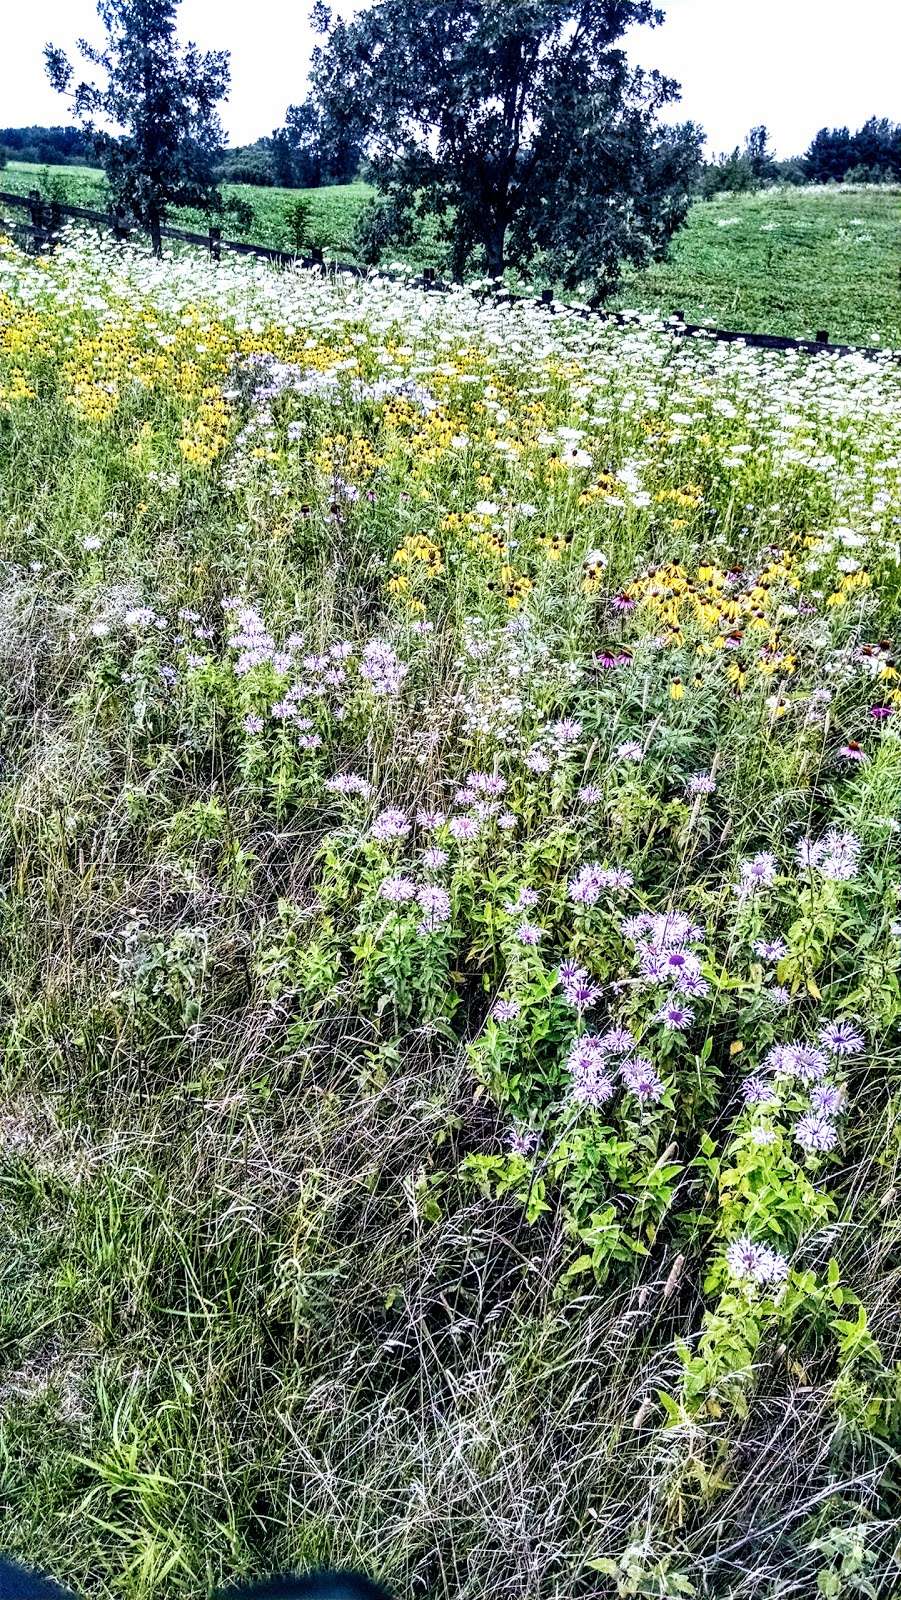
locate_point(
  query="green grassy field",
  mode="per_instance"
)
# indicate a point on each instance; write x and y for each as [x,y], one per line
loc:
[790,261]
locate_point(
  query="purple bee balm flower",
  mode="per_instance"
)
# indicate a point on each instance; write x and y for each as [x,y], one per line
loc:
[586,1051]
[758,1091]
[593,1089]
[581,992]
[253,724]
[587,1067]
[538,762]
[806,1062]
[815,1133]
[590,882]
[506,821]
[744,1259]
[434,858]
[675,1017]
[827,1099]
[778,996]
[522,1141]
[390,824]
[350,783]
[836,856]
[487,783]
[777,1059]
[691,983]
[755,1264]
[565,732]
[430,820]
[528,934]
[629,750]
[569,971]
[435,904]
[757,873]
[591,794]
[641,1079]
[770,949]
[397,890]
[617,1042]
[505,1010]
[701,783]
[841,1038]
[464,829]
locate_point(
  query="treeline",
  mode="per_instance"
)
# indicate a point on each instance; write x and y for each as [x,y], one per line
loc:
[46,146]
[302,154]
[298,155]
[835,155]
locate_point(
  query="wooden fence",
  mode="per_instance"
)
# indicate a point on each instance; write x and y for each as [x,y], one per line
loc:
[47,218]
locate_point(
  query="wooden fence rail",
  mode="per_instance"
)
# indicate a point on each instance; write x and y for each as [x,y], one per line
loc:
[47,219]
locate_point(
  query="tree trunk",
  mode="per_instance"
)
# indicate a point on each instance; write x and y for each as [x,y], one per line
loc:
[494,250]
[153,222]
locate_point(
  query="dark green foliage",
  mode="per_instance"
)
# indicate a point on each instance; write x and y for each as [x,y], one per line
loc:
[161,99]
[871,154]
[249,163]
[55,146]
[518,126]
[744,170]
[311,150]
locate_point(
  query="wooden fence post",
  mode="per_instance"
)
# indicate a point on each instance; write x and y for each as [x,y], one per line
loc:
[317,255]
[428,277]
[823,337]
[547,297]
[117,223]
[216,243]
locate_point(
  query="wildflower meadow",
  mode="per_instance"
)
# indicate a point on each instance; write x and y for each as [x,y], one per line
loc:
[450,796]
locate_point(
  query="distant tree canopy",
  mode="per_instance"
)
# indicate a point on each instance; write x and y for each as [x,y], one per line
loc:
[518,126]
[47,146]
[247,163]
[874,152]
[153,122]
[312,149]
[747,168]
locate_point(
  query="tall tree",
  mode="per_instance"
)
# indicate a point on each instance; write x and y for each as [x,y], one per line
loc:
[517,125]
[310,150]
[153,123]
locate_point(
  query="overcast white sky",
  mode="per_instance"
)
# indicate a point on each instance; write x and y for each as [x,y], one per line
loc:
[794,64]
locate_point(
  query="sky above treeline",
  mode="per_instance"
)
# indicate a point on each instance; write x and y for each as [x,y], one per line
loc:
[796,65]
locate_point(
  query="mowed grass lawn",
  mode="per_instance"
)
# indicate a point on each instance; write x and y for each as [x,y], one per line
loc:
[788,260]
